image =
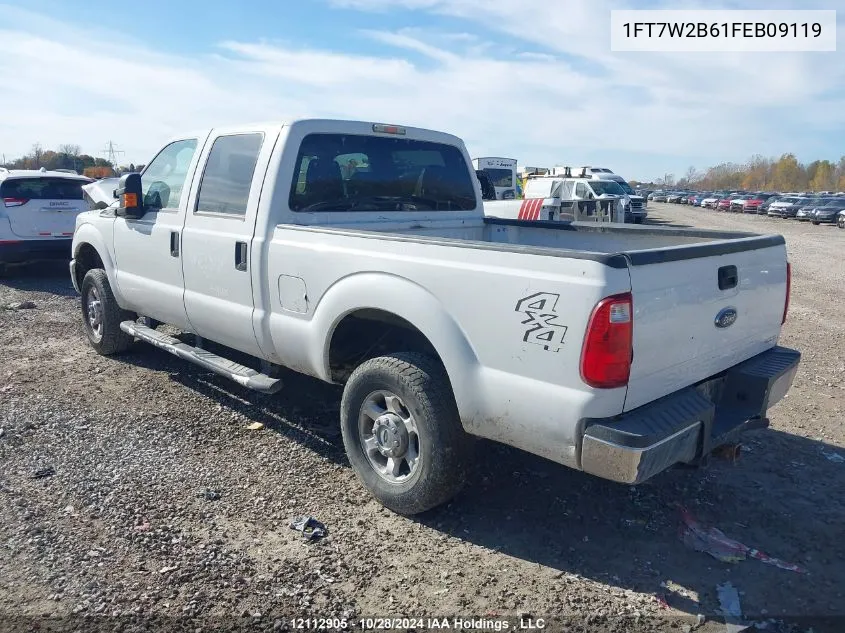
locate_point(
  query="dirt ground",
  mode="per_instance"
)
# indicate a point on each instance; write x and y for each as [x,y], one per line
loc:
[162,508]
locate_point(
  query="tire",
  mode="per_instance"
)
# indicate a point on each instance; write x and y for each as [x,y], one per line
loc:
[638,220]
[815,223]
[425,408]
[102,319]
[841,223]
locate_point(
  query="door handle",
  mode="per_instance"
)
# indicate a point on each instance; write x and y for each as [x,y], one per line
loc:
[240,255]
[174,243]
[728,277]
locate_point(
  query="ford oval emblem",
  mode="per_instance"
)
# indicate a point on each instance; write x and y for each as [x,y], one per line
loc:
[726,317]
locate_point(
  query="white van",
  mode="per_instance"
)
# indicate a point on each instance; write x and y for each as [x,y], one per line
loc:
[502,173]
[638,209]
[566,199]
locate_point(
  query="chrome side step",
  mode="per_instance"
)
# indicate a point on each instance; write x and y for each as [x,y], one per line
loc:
[241,374]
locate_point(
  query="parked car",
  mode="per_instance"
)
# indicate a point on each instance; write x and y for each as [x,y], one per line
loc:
[658,196]
[710,201]
[805,211]
[829,212]
[695,199]
[379,280]
[763,209]
[738,203]
[753,202]
[725,203]
[786,207]
[37,214]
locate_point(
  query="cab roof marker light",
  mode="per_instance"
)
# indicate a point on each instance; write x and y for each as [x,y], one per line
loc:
[388,129]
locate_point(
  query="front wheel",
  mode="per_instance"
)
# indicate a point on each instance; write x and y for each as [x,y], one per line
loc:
[815,223]
[102,316]
[402,432]
[841,223]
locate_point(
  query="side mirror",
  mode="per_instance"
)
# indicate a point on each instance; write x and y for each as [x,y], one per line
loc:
[130,196]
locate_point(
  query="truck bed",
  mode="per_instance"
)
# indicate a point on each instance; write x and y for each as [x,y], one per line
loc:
[681,279]
[617,245]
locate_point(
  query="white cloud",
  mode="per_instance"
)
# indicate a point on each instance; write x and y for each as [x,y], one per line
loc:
[543,87]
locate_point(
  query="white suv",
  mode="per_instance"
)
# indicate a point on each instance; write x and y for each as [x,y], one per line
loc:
[38,210]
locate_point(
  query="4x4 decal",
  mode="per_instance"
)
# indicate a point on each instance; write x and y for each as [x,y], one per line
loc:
[541,325]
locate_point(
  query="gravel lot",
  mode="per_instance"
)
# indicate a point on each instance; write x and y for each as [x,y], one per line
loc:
[163,507]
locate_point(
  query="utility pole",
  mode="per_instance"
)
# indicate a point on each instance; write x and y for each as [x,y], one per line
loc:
[111,153]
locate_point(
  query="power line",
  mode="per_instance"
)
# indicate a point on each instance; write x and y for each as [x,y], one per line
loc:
[111,153]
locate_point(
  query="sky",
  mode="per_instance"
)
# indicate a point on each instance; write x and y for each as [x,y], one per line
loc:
[535,81]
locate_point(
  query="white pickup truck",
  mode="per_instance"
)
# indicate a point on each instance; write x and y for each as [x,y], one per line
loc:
[359,254]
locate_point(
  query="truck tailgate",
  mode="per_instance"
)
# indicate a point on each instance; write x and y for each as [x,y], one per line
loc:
[687,328]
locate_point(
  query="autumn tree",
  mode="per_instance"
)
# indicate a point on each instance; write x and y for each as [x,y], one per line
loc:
[758,173]
[691,177]
[788,174]
[823,179]
[839,176]
[69,149]
[98,172]
[37,153]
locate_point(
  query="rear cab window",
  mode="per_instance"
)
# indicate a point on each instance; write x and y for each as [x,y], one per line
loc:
[351,172]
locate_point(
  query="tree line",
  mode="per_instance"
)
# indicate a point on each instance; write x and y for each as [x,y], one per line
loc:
[68,157]
[763,174]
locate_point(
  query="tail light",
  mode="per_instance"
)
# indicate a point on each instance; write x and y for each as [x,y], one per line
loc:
[15,202]
[788,291]
[608,344]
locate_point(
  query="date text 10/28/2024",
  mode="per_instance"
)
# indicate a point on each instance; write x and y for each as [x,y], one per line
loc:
[522,623]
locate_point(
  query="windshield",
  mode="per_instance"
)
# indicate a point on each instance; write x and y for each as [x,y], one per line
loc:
[352,172]
[606,187]
[500,177]
[627,188]
[836,202]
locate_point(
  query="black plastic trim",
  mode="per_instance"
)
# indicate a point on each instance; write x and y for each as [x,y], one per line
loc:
[739,403]
[612,260]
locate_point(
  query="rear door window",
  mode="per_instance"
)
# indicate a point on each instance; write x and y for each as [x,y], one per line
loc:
[350,172]
[42,189]
[227,178]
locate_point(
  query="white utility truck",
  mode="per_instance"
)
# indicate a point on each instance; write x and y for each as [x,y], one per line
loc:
[359,254]
[502,173]
[562,198]
[637,210]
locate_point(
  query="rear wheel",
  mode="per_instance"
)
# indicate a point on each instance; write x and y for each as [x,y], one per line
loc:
[102,316]
[402,432]
[815,223]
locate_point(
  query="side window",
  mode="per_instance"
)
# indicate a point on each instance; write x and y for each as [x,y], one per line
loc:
[565,190]
[581,190]
[164,178]
[228,173]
